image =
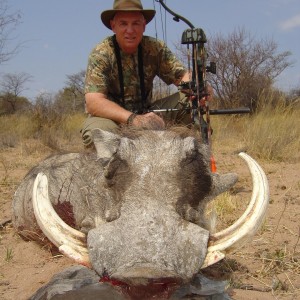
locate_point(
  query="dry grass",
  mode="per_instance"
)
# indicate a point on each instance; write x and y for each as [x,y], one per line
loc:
[53,132]
[272,134]
[221,210]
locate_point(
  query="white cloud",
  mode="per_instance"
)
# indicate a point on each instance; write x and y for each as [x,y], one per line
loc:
[291,23]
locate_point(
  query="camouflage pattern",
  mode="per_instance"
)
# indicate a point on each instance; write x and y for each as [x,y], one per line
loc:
[102,70]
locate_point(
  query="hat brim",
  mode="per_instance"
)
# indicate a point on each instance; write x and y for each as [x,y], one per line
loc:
[108,15]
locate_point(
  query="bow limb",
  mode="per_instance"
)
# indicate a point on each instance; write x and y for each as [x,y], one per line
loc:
[176,16]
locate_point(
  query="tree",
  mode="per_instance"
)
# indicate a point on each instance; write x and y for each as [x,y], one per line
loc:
[245,67]
[22,103]
[12,86]
[71,98]
[76,82]
[8,23]
[67,101]
[295,93]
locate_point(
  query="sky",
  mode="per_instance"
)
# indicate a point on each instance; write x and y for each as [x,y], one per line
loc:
[58,35]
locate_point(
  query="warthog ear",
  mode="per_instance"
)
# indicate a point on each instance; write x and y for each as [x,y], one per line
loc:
[222,183]
[106,143]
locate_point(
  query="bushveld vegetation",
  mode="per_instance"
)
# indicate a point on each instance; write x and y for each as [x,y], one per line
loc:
[271,133]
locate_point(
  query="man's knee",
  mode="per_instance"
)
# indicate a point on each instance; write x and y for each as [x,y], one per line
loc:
[95,123]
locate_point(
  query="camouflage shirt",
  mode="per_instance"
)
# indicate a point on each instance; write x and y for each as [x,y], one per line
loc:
[102,70]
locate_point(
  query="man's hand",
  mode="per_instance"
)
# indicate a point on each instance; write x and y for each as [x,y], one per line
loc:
[149,121]
[187,89]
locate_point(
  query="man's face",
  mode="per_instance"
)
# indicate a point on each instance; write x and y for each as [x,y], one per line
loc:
[129,28]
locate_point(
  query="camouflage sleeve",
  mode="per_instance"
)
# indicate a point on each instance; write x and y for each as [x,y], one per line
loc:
[171,69]
[95,80]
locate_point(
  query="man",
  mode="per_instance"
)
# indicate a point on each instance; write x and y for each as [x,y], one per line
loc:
[121,70]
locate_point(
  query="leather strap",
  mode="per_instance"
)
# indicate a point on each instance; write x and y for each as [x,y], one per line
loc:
[120,72]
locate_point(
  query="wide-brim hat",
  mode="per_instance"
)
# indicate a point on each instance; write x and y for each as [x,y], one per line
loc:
[126,5]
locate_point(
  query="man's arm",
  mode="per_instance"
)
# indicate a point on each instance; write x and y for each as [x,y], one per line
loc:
[185,78]
[99,106]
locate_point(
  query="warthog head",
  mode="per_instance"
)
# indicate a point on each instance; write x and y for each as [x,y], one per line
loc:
[137,208]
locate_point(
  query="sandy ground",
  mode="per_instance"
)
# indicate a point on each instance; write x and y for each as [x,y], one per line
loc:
[268,267]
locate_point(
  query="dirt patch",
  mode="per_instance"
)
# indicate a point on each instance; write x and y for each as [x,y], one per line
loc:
[268,267]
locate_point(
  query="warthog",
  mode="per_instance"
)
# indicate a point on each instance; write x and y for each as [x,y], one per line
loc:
[133,211]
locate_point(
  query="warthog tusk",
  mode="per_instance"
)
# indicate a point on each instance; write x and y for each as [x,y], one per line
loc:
[248,224]
[69,241]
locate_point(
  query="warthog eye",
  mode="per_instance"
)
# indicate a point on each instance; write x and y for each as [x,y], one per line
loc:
[116,172]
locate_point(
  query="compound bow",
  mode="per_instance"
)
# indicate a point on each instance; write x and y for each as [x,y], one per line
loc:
[198,86]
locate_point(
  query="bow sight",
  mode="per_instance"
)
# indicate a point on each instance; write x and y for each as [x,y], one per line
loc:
[197,38]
